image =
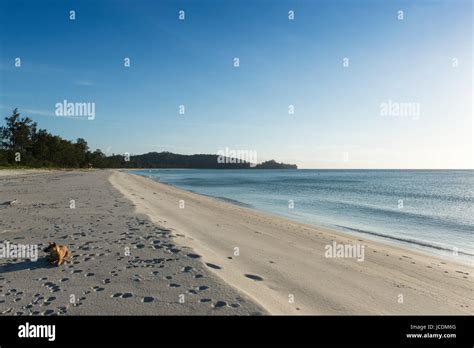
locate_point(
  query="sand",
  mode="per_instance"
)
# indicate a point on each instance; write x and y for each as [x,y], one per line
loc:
[282,265]
[189,252]
[16,172]
[156,277]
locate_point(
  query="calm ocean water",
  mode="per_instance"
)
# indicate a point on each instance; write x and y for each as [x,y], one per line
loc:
[429,210]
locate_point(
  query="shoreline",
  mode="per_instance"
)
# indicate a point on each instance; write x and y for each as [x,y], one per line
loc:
[283,259]
[426,249]
[281,267]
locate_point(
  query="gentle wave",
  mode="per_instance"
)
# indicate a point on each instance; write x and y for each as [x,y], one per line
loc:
[234,201]
[400,215]
[405,240]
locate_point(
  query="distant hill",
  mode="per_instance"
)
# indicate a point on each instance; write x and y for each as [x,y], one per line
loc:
[199,161]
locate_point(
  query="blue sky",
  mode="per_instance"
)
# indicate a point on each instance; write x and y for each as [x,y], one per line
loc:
[337,121]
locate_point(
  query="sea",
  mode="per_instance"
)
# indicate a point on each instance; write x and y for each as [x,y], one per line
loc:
[428,210]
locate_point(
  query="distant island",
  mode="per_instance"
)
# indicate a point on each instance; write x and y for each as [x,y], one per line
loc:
[23,145]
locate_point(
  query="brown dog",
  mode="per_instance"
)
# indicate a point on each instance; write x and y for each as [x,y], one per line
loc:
[58,253]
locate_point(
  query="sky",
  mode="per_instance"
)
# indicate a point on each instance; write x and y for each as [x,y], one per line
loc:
[345,115]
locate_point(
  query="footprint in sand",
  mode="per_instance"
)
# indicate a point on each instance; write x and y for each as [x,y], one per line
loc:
[122,295]
[211,265]
[52,287]
[466,273]
[254,277]
[220,304]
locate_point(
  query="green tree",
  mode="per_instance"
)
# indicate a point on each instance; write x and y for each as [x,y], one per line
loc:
[18,134]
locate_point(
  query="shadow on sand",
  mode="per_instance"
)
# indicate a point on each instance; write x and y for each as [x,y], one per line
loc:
[26,265]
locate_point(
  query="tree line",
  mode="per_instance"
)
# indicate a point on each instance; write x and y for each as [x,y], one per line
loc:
[22,144]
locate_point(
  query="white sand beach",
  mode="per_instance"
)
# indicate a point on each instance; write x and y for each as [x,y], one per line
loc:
[121,262]
[221,258]
[281,260]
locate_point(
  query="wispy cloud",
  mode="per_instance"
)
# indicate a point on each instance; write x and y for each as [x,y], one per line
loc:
[30,111]
[38,112]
